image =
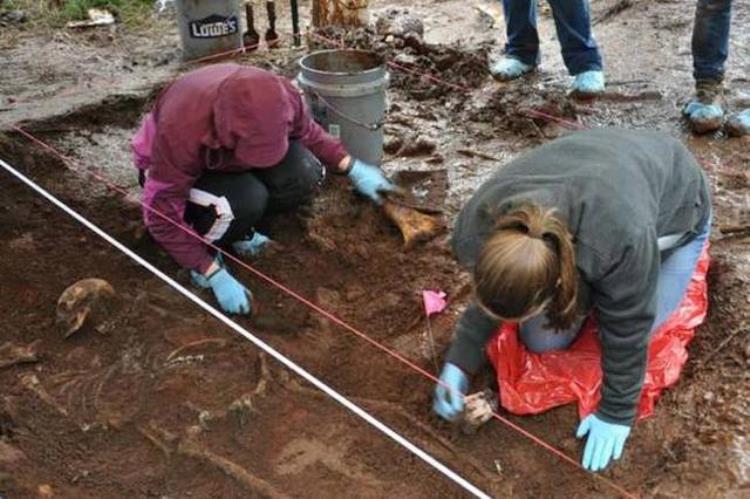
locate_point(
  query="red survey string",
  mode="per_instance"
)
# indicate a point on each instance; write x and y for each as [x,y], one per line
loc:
[70,163]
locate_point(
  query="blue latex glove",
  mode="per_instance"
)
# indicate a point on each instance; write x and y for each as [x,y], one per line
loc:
[449,399]
[232,296]
[253,246]
[369,180]
[605,442]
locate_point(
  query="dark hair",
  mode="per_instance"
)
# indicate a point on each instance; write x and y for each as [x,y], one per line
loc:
[529,260]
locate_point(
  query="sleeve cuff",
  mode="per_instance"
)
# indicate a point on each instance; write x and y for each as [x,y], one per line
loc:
[466,356]
[626,418]
[204,264]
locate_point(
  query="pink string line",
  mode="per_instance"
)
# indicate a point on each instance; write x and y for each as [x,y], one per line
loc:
[400,67]
[70,163]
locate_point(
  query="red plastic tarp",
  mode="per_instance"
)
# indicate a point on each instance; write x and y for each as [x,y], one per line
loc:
[531,383]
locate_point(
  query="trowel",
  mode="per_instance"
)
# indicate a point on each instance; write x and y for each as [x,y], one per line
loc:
[251,38]
[272,38]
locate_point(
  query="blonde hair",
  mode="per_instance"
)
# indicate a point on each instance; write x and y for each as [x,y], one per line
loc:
[527,263]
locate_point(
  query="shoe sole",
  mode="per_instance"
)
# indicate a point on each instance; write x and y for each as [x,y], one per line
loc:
[705,126]
[501,78]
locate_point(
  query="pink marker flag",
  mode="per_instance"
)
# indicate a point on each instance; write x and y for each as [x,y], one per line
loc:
[434,301]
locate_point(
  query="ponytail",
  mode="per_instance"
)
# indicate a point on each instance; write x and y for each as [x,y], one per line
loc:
[528,263]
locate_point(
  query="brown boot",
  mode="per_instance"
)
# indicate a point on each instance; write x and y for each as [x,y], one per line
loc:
[704,112]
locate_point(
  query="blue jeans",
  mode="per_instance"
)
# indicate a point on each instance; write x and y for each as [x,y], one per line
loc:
[711,39]
[675,273]
[573,24]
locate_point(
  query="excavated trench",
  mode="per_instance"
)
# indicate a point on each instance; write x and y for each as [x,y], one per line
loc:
[163,401]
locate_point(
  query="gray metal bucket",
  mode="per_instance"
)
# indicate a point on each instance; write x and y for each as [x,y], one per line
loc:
[345,90]
[208,27]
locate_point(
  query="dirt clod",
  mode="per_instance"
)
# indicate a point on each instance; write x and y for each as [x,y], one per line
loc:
[82,417]
[398,22]
[10,455]
[45,491]
[420,146]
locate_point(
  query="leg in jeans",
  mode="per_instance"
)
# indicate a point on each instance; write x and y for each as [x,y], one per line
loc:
[573,24]
[224,207]
[520,27]
[538,338]
[710,45]
[294,181]
[674,276]
[675,273]
[710,41]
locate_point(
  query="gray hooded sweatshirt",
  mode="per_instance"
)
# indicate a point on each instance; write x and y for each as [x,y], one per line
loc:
[618,191]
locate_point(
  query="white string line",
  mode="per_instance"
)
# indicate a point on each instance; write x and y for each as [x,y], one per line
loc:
[320,385]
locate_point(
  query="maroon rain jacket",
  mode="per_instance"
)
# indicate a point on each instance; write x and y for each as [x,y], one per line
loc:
[226,118]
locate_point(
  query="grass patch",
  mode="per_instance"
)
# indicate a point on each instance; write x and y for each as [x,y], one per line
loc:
[127,10]
[44,14]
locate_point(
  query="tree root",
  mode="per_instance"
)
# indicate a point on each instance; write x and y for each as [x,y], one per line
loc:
[170,444]
[164,448]
[31,382]
[399,411]
[193,449]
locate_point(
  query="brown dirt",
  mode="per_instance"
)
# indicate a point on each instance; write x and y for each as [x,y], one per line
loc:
[166,402]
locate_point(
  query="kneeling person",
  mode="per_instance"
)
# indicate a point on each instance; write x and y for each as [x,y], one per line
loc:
[223,146]
[607,221]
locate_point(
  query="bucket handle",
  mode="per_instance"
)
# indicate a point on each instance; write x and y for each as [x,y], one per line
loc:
[373,127]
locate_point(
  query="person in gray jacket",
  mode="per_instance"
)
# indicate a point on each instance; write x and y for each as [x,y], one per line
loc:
[608,221]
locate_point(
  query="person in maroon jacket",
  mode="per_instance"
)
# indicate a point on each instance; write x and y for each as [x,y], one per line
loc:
[223,146]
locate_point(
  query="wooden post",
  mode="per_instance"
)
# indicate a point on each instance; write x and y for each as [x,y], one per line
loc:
[339,13]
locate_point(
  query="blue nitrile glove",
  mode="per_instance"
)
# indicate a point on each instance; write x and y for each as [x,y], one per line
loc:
[449,394]
[253,246]
[605,442]
[369,180]
[232,296]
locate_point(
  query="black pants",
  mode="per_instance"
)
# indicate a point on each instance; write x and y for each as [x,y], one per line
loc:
[225,207]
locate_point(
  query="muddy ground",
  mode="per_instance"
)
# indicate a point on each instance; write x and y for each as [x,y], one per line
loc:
[161,400]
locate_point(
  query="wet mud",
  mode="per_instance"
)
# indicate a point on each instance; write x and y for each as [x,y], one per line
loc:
[157,399]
